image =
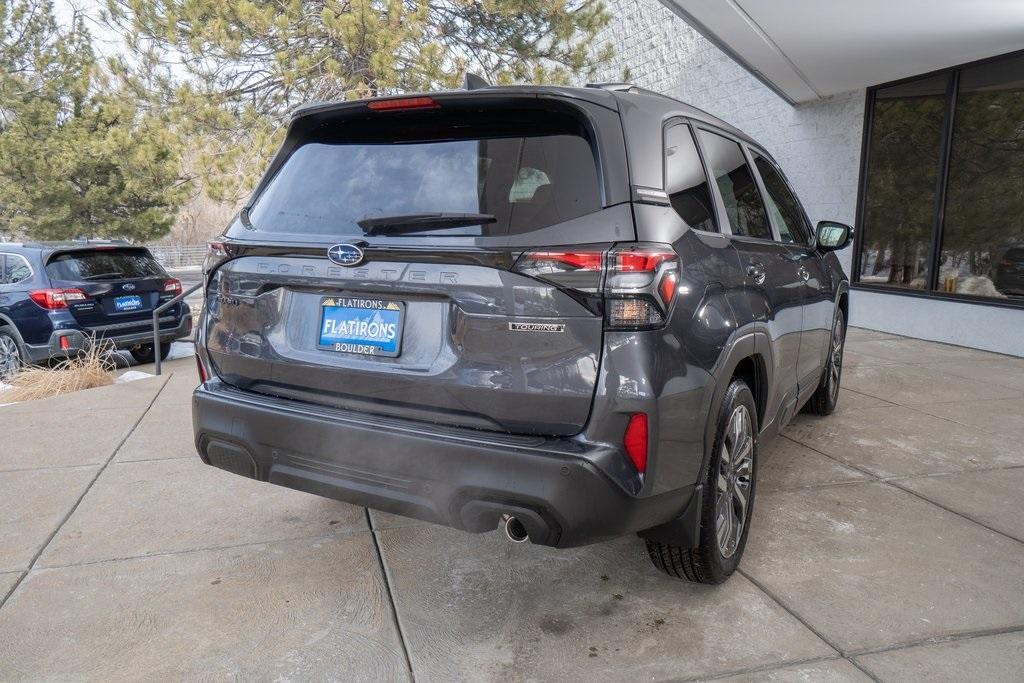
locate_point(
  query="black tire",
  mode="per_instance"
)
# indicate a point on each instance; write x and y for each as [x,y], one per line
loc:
[11,357]
[708,563]
[825,398]
[143,353]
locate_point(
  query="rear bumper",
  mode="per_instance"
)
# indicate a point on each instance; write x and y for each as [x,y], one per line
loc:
[171,328]
[460,478]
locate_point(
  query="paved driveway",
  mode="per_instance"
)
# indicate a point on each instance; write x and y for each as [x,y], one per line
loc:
[888,542]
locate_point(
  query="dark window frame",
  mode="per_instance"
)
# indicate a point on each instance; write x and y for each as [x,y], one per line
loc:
[675,122]
[938,220]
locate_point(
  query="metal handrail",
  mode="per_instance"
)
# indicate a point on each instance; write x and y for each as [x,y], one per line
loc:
[156,321]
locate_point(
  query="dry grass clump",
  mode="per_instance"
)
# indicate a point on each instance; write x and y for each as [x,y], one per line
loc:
[87,371]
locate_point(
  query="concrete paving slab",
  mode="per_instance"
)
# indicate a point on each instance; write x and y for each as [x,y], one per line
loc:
[165,432]
[993,659]
[305,610]
[143,508]
[868,565]
[863,334]
[897,441]
[1006,372]
[913,351]
[852,358]
[784,463]
[1003,418]
[7,581]
[75,438]
[476,607]
[32,505]
[993,497]
[386,520]
[853,400]
[833,670]
[114,396]
[919,385]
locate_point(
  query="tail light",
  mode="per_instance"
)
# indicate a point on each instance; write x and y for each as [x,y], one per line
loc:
[635,441]
[53,299]
[172,287]
[636,283]
[216,253]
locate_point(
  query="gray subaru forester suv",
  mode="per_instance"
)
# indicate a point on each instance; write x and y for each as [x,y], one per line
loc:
[571,313]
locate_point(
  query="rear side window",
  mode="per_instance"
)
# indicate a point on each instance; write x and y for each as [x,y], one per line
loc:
[685,180]
[528,171]
[782,203]
[742,200]
[13,269]
[105,264]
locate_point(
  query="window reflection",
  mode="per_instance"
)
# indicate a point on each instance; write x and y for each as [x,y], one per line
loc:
[983,234]
[903,167]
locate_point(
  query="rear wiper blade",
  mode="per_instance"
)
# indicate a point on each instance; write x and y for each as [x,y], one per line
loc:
[104,276]
[421,222]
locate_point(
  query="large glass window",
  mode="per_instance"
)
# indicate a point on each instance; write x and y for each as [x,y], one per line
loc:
[740,195]
[983,235]
[903,169]
[974,246]
[685,181]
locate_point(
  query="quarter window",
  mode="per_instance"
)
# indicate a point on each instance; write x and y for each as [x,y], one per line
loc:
[13,269]
[742,200]
[685,180]
[782,204]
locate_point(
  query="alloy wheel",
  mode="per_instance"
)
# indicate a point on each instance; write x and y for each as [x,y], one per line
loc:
[735,474]
[835,361]
[10,360]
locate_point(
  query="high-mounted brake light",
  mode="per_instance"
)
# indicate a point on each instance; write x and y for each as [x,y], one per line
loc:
[635,441]
[53,299]
[394,104]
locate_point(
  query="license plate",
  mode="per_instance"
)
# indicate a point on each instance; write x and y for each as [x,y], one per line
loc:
[371,327]
[132,302]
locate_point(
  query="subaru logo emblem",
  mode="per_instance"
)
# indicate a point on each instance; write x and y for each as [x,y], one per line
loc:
[128,287]
[345,254]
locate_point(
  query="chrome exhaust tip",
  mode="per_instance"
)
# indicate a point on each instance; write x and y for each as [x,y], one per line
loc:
[515,530]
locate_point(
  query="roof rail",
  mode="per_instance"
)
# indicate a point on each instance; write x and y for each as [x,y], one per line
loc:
[628,87]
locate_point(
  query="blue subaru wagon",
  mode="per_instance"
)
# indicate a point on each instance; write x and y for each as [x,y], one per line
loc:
[58,298]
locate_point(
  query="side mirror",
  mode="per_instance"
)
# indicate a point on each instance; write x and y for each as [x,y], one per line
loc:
[832,236]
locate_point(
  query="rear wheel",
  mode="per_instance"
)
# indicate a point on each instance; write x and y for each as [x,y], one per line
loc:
[825,398]
[727,501]
[10,355]
[143,353]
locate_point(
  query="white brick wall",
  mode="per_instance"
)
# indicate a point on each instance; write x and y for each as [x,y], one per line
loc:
[817,144]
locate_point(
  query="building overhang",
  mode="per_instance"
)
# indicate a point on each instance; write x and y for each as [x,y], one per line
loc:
[806,50]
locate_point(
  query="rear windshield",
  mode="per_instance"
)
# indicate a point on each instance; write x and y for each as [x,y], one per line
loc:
[528,172]
[106,264]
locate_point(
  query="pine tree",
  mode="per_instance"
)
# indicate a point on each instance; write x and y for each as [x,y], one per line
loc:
[79,157]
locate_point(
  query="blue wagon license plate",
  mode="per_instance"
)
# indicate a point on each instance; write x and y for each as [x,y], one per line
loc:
[371,327]
[128,303]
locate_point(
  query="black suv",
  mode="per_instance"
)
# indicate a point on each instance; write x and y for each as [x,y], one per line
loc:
[58,298]
[570,312]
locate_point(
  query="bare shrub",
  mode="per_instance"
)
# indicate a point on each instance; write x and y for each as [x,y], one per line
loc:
[89,370]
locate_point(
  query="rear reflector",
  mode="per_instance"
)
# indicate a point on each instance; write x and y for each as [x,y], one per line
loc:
[202,370]
[64,344]
[403,103]
[53,299]
[635,441]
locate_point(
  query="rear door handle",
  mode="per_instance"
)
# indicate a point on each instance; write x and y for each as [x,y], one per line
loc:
[756,272]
